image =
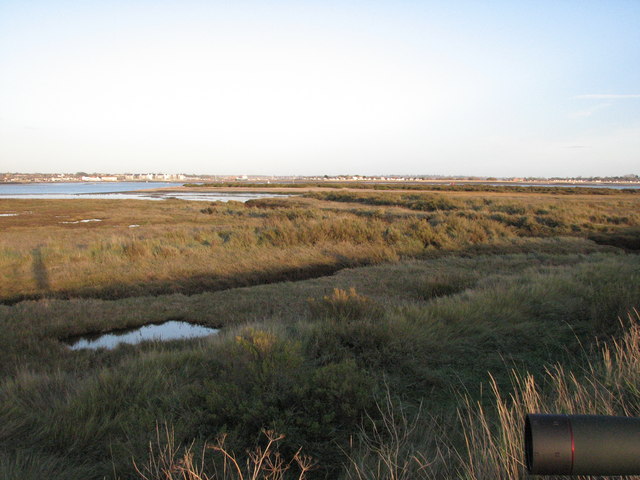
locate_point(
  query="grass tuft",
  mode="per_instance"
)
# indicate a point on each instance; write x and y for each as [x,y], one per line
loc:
[344,305]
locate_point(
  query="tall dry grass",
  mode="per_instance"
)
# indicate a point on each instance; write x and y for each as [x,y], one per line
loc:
[487,441]
[168,461]
[399,445]
[607,385]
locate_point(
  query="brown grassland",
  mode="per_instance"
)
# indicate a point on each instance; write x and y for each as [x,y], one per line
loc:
[380,334]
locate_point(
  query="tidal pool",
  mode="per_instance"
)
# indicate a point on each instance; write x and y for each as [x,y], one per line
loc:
[171,330]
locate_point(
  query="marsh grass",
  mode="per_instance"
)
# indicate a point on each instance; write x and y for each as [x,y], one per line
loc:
[627,238]
[30,465]
[426,301]
[428,187]
[183,247]
[486,439]
[343,305]
[447,284]
[401,442]
[295,366]
[605,385]
[535,214]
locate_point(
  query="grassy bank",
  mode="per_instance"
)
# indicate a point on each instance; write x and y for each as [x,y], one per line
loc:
[343,366]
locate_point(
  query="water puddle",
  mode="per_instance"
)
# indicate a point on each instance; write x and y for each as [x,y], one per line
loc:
[85,221]
[172,330]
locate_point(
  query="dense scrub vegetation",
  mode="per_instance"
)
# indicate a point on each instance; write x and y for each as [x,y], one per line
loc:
[446,298]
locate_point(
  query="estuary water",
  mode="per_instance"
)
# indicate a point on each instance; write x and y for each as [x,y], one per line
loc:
[117,190]
[149,191]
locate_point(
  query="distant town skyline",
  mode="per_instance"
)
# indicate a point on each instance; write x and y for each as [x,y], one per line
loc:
[8,178]
[502,89]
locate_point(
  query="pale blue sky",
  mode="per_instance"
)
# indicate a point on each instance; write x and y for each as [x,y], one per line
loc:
[502,88]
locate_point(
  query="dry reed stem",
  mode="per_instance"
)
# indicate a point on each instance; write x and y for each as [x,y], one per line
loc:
[263,463]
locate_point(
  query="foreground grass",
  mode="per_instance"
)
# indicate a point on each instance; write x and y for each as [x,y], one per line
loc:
[343,366]
[308,369]
[604,383]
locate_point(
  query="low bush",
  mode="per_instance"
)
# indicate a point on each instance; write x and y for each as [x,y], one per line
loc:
[265,382]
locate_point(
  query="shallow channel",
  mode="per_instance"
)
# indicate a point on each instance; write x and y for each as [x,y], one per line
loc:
[171,330]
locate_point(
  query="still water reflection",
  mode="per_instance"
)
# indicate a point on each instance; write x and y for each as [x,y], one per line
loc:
[120,191]
[172,330]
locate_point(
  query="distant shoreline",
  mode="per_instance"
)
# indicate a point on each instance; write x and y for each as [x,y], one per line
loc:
[398,185]
[316,182]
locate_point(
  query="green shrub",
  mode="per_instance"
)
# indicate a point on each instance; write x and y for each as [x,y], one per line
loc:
[372,344]
[264,382]
[254,385]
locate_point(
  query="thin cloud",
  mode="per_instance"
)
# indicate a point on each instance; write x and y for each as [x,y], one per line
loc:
[590,111]
[608,96]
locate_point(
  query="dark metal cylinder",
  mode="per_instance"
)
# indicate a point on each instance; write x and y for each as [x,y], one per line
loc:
[582,445]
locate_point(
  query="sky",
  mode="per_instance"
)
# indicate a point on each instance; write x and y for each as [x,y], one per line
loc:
[378,87]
